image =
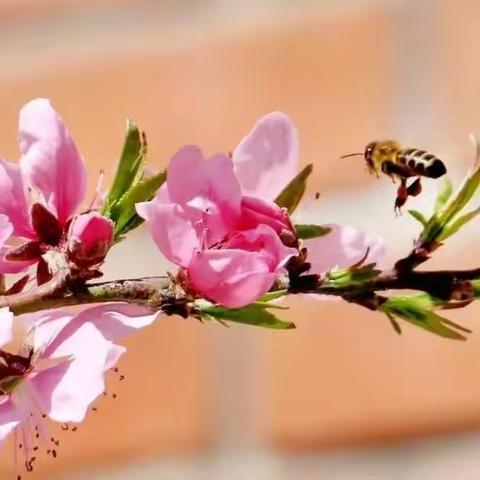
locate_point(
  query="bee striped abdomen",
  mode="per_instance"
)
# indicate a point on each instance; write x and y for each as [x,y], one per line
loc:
[421,163]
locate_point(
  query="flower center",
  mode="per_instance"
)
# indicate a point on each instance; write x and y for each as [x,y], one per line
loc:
[13,368]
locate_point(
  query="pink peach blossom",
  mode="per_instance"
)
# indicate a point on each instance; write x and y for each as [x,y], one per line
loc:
[41,195]
[201,223]
[60,369]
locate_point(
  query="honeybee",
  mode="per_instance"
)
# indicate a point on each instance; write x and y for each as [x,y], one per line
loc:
[389,158]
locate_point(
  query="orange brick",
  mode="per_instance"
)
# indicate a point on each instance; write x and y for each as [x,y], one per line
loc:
[345,377]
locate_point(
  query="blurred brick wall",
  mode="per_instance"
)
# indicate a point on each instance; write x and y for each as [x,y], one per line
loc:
[343,376]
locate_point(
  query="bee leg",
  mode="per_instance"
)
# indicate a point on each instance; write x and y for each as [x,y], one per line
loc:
[392,177]
[402,195]
[399,203]
[415,188]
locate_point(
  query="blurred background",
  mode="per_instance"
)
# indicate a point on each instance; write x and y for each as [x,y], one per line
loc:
[342,397]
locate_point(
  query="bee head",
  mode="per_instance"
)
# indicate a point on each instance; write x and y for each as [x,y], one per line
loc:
[369,149]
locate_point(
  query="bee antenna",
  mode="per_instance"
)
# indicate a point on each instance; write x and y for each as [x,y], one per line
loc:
[351,155]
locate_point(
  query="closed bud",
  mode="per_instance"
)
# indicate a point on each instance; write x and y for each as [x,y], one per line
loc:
[256,211]
[90,237]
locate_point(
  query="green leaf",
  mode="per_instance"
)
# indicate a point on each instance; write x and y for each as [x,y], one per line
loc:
[210,318]
[394,323]
[307,232]
[350,277]
[123,212]
[269,296]
[255,314]
[418,310]
[273,306]
[291,195]
[444,193]
[467,190]
[418,216]
[476,287]
[437,226]
[455,226]
[465,193]
[129,166]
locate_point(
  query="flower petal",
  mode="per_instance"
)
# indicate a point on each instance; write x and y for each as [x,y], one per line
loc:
[206,190]
[6,325]
[66,390]
[6,231]
[171,230]
[342,247]
[50,160]
[265,241]
[46,326]
[186,174]
[257,211]
[113,320]
[12,200]
[233,278]
[215,208]
[9,419]
[267,158]
[7,266]
[114,355]
[223,185]
[85,352]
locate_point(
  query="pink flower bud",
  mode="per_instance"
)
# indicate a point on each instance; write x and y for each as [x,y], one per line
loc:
[257,211]
[90,238]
